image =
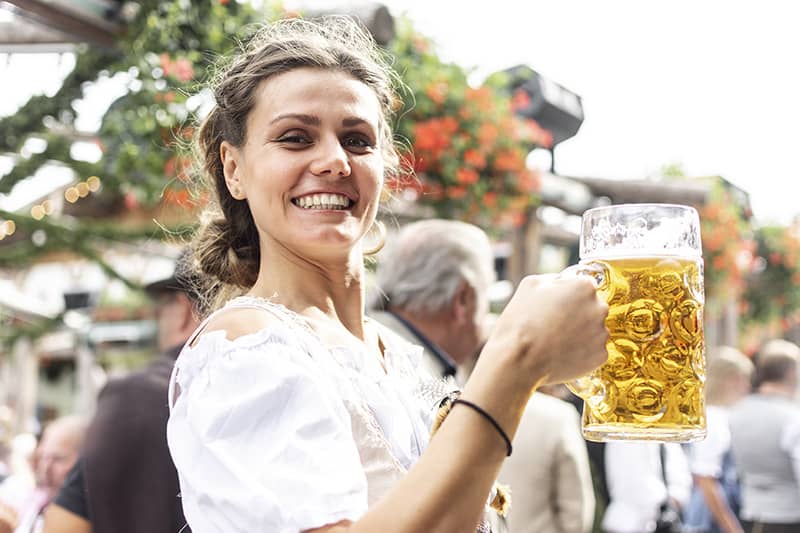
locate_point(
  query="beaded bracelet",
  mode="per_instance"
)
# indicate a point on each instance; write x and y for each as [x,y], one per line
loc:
[488,417]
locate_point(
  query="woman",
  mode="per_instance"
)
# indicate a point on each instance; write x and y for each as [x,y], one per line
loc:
[290,411]
[714,504]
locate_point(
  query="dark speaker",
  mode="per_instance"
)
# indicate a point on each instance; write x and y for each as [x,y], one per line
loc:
[554,107]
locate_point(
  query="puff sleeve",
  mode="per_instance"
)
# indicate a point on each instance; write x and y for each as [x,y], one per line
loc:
[261,439]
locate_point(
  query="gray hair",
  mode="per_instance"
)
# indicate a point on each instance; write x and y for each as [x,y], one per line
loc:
[425,264]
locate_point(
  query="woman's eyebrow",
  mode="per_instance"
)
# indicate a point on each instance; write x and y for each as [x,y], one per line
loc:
[305,119]
[349,122]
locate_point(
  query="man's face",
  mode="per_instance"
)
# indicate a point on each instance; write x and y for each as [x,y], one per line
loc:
[471,333]
[169,310]
[55,456]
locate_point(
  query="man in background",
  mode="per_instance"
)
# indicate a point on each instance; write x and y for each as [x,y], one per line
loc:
[21,509]
[125,481]
[765,440]
[549,474]
[435,281]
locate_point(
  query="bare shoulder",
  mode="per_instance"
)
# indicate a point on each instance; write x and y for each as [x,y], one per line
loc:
[240,321]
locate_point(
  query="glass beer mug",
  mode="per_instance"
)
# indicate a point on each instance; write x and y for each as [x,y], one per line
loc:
[648,266]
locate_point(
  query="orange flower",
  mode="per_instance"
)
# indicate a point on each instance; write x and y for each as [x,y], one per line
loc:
[466,176]
[437,92]
[457,192]
[490,199]
[481,97]
[475,159]
[508,161]
[428,135]
[529,181]
[487,134]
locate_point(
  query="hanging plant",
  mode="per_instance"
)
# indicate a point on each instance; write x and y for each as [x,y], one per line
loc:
[467,147]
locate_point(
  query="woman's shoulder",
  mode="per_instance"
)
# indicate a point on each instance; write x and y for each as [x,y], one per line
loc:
[245,317]
[238,322]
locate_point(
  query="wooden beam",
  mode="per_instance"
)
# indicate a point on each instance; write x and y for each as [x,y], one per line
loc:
[63,21]
[647,191]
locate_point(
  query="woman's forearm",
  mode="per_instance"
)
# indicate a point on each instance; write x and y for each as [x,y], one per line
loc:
[447,488]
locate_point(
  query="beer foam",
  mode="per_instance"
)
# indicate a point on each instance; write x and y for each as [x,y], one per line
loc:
[639,237]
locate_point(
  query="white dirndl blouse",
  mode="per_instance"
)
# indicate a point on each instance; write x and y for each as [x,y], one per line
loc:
[274,431]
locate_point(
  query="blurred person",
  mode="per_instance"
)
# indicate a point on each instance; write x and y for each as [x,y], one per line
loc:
[765,439]
[56,453]
[714,503]
[595,452]
[125,480]
[549,475]
[21,477]
[643,479]
[435,281]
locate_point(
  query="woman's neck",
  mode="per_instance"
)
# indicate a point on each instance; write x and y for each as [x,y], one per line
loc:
[315,289]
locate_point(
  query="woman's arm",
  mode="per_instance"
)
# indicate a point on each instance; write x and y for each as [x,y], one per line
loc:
[552,330]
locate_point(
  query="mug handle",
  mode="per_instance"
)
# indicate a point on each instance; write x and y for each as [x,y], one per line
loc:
[589,388]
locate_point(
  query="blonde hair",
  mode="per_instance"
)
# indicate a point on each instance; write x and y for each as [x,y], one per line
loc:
[725,363]
[226,248]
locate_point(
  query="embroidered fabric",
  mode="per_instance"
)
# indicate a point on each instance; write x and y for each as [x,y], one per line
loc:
[343,404]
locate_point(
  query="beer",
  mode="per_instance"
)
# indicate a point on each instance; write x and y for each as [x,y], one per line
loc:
[651,387]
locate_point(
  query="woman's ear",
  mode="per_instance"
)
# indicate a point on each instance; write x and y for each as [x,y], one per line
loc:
[230,157]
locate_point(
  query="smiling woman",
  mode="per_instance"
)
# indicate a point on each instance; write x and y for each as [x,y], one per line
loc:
[289,410]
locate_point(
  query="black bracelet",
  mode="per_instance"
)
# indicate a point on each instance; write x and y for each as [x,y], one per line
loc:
[488,417]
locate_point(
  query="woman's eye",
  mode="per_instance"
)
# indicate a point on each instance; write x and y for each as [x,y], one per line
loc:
[358,142]
[294,138]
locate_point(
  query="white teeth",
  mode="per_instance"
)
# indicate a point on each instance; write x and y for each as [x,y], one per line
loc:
[323,201]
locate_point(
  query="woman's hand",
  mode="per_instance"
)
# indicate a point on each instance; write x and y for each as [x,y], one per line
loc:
[552,330]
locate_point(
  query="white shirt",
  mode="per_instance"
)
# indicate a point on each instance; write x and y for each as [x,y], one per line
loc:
[274,431]
[790,443]
[636,484]
[706,455]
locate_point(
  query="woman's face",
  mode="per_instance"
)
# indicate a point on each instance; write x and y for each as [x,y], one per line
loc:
[311,166]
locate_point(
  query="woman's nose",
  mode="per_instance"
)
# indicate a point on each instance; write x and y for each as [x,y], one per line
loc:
[331,159]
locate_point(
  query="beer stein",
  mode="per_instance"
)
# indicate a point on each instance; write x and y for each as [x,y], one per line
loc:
[648,266]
